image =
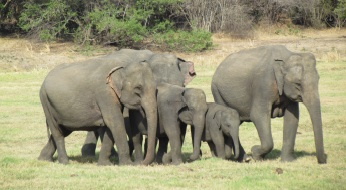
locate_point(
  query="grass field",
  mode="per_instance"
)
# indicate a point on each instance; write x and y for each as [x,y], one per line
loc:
[23,134]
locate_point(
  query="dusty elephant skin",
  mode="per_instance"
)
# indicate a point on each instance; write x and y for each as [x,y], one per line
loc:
[91,94]
[268,82]
[222,132]
[177,107]
[165,67]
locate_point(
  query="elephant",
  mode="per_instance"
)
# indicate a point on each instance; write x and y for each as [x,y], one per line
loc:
[221,131]
[91,94]
[177,107]
[165,68]
[269,82]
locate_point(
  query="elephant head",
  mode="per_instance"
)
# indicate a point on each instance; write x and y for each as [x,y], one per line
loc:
[297,79]
[195,100]
[135,86]
[170,69]
[230,127]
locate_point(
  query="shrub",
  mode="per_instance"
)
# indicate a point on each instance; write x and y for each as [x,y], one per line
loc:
[184,41]
[47,20]
[122,23]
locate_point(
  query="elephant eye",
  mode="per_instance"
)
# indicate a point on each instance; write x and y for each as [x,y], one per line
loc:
[138,90]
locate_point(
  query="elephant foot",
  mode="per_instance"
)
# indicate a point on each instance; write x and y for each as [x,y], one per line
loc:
[63,160]
[256,155]
[194,157]
[45,158]
[123,162]
[177,162]
[244,158]
[137,163]
[104,162]
[287,158]
[322,160]
[88,150]
[166,158]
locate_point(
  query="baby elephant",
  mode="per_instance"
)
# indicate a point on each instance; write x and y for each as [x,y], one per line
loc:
[177,106]
[222,131]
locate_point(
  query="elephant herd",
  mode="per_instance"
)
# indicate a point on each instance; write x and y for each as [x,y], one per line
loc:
[128,94]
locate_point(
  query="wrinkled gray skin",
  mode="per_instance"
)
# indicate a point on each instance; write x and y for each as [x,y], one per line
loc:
[268,82]
[177,107]
[91,94]
[222,131]
[165,67]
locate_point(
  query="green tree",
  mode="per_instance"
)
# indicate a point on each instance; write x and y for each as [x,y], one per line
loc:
[340,12]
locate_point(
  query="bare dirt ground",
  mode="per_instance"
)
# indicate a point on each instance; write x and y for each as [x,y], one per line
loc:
[19,54]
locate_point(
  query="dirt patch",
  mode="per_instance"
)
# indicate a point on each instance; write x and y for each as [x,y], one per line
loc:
[17,54]
[326,45]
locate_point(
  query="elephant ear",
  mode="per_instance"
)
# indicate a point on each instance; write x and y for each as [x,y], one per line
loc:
[278,68]
[183,99]
[116,88]
[217,118]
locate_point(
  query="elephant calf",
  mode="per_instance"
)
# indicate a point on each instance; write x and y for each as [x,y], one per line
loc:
[222,132]
[177,107]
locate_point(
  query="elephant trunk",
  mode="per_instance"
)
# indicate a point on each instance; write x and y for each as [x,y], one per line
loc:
[312,103]
[234,132]
[150,108]
[198,122]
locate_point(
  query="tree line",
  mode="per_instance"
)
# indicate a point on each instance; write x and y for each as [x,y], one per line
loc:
[183,25]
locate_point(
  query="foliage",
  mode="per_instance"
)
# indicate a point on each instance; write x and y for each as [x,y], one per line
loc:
[340,11]
[184,41]
[121,23]
[47,20]
[228,16]
[135,23]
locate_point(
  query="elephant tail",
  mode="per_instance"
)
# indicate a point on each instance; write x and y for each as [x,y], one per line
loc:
[45,106]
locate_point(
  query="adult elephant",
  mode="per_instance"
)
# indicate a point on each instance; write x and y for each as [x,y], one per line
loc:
[268,82]
[165,67]
[91,94]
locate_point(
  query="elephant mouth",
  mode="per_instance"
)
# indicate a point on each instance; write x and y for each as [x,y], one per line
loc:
[133,106]
[191,74]
[297,98]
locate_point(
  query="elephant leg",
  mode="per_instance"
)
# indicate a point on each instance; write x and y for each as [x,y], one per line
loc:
[137,140]
[105,152]
[89,146]
[167,158]
[291,119]
[262,122]
[163,144]
[229,146]
[48,150]
[173,133]
[219,142]
[114,120]
[212,148]
[58,135]
[102,132]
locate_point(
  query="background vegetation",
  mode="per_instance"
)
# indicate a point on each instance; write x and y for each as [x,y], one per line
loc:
[183,25]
